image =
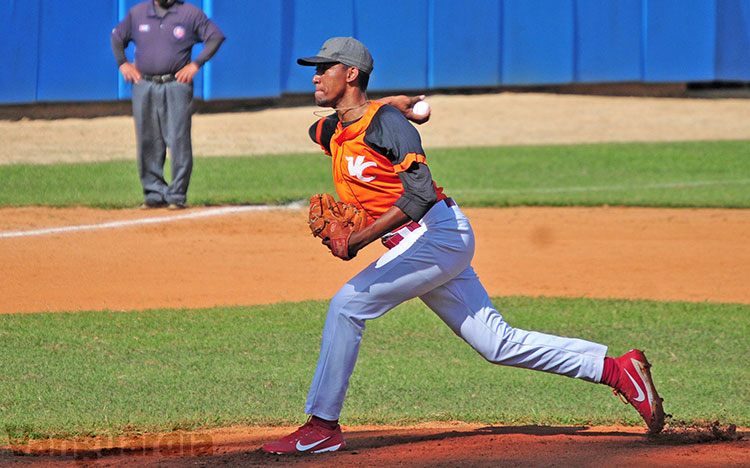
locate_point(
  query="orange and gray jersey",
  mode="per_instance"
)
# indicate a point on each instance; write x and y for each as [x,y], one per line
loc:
[378,162]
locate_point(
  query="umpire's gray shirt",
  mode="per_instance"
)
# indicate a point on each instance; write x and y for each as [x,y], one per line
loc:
[164,45]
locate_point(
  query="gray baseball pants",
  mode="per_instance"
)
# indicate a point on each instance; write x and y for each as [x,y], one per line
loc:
[434,263]
[163,118]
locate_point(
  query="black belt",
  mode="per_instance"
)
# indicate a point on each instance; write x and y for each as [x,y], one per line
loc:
[392,239]
[159,79]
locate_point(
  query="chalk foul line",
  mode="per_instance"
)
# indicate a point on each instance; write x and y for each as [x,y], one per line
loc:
[297,205]
[594,188]
[144,221]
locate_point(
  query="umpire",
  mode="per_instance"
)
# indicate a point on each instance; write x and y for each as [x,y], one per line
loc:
[164,33]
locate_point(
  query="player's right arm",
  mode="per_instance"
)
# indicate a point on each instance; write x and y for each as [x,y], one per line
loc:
[322,130]
[395,138]
[405,104]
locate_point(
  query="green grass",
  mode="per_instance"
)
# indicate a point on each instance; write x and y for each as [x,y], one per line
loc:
[693,174]
[115,184]
[112,373]
[88,373]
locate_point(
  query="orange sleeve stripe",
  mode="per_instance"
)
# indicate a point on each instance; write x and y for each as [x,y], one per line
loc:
[410,159]
[318,134]
[319,130]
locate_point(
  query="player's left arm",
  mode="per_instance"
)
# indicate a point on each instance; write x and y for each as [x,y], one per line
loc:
[417,199]
[389,221]
[398,140]
[321,132]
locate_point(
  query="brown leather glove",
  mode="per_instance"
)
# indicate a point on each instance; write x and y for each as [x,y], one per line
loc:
[334,222]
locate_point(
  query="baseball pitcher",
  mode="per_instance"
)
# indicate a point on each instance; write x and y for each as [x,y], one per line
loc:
[387,192]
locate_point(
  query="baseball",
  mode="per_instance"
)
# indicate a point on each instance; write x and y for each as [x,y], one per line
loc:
[420,108]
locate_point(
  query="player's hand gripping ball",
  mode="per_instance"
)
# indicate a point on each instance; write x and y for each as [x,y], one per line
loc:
[421,108]
[334,222]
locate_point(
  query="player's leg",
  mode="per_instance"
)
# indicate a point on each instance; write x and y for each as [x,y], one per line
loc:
[150,143]
[463,304]
[433,254]
[465,307]
[370,294]
[367,296]
[179,98]
[428,257]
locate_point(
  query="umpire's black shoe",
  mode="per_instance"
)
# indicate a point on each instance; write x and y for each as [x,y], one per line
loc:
[151,205]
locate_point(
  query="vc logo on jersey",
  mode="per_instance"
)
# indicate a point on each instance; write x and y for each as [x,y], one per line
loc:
[357,167]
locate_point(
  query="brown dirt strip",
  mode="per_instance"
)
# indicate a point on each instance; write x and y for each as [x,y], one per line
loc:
[428,445]
[266,257]
[476,120]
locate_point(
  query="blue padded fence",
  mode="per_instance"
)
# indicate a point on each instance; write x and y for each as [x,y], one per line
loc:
[59,50]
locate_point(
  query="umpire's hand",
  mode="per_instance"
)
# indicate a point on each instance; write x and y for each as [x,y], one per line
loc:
[130,73]
[186,73]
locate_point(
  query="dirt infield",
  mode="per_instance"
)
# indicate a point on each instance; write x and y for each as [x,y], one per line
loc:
[267,256]
[426,446]
[119,261]
[256,257]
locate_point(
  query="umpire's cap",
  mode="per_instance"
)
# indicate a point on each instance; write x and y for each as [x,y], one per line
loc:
[346,50]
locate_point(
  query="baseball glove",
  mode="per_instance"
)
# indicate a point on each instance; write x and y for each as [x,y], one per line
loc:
[334,222]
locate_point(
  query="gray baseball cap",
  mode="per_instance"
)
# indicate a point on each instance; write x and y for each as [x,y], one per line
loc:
[346,50]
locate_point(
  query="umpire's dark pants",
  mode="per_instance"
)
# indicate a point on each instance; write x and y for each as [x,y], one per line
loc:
[163,117]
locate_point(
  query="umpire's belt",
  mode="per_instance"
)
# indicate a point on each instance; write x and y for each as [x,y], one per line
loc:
[392,239]
[159,79]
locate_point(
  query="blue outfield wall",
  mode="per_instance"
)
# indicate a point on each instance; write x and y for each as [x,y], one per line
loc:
[680,40]
[608,41]
[59,50]
[733,40]
[20,50]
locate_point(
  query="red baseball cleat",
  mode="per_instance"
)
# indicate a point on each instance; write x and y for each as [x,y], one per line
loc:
[311,437]
[635,386]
